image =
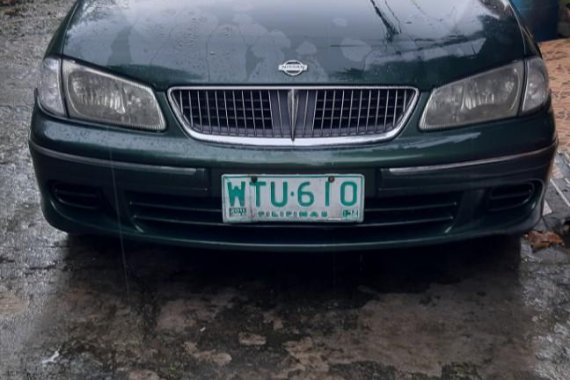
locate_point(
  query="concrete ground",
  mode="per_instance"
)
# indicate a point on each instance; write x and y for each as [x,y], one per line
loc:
[69,308]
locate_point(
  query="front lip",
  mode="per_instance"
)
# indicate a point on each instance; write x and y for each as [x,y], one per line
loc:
[52,166]
[298,142]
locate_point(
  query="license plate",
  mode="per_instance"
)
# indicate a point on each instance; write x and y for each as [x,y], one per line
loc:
[337,198]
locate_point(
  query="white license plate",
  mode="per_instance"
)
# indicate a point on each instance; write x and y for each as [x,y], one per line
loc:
[337,198]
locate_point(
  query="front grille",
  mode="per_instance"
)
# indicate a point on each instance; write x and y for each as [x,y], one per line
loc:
[293,114]
[202,217]
[229,113]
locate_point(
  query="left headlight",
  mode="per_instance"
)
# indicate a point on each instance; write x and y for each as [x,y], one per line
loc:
[537,87]
[489,96]
[97,96]
[497,94]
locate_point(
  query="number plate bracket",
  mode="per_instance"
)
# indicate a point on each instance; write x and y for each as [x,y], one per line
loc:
[321,198]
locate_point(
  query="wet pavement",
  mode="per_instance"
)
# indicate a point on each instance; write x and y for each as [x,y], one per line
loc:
[88,308]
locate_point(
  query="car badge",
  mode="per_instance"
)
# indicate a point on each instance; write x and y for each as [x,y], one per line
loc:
[293,68]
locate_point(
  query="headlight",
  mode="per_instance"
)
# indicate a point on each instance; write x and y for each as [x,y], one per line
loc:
[489,96]
[49,88]
[97,96]
[537,88]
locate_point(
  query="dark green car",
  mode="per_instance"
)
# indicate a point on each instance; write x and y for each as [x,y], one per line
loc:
[293,125]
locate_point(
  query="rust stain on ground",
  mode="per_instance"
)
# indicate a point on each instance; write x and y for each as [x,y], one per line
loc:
[10,304]
[557,57]
[541,240]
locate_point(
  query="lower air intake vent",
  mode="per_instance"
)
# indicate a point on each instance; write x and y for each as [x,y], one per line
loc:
[78,196]
[509,197]
[201,218]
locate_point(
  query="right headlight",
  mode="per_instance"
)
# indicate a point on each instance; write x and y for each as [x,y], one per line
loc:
[493,95]
[97,96]
[49,89]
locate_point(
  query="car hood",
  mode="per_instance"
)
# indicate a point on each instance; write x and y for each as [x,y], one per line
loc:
[423,43]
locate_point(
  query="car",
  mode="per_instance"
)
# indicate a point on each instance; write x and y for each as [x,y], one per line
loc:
[293,126]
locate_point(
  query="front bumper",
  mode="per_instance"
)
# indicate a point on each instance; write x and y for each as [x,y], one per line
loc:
[420,189]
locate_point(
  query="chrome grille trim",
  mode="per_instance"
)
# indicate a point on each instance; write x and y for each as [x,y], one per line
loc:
[316,127]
